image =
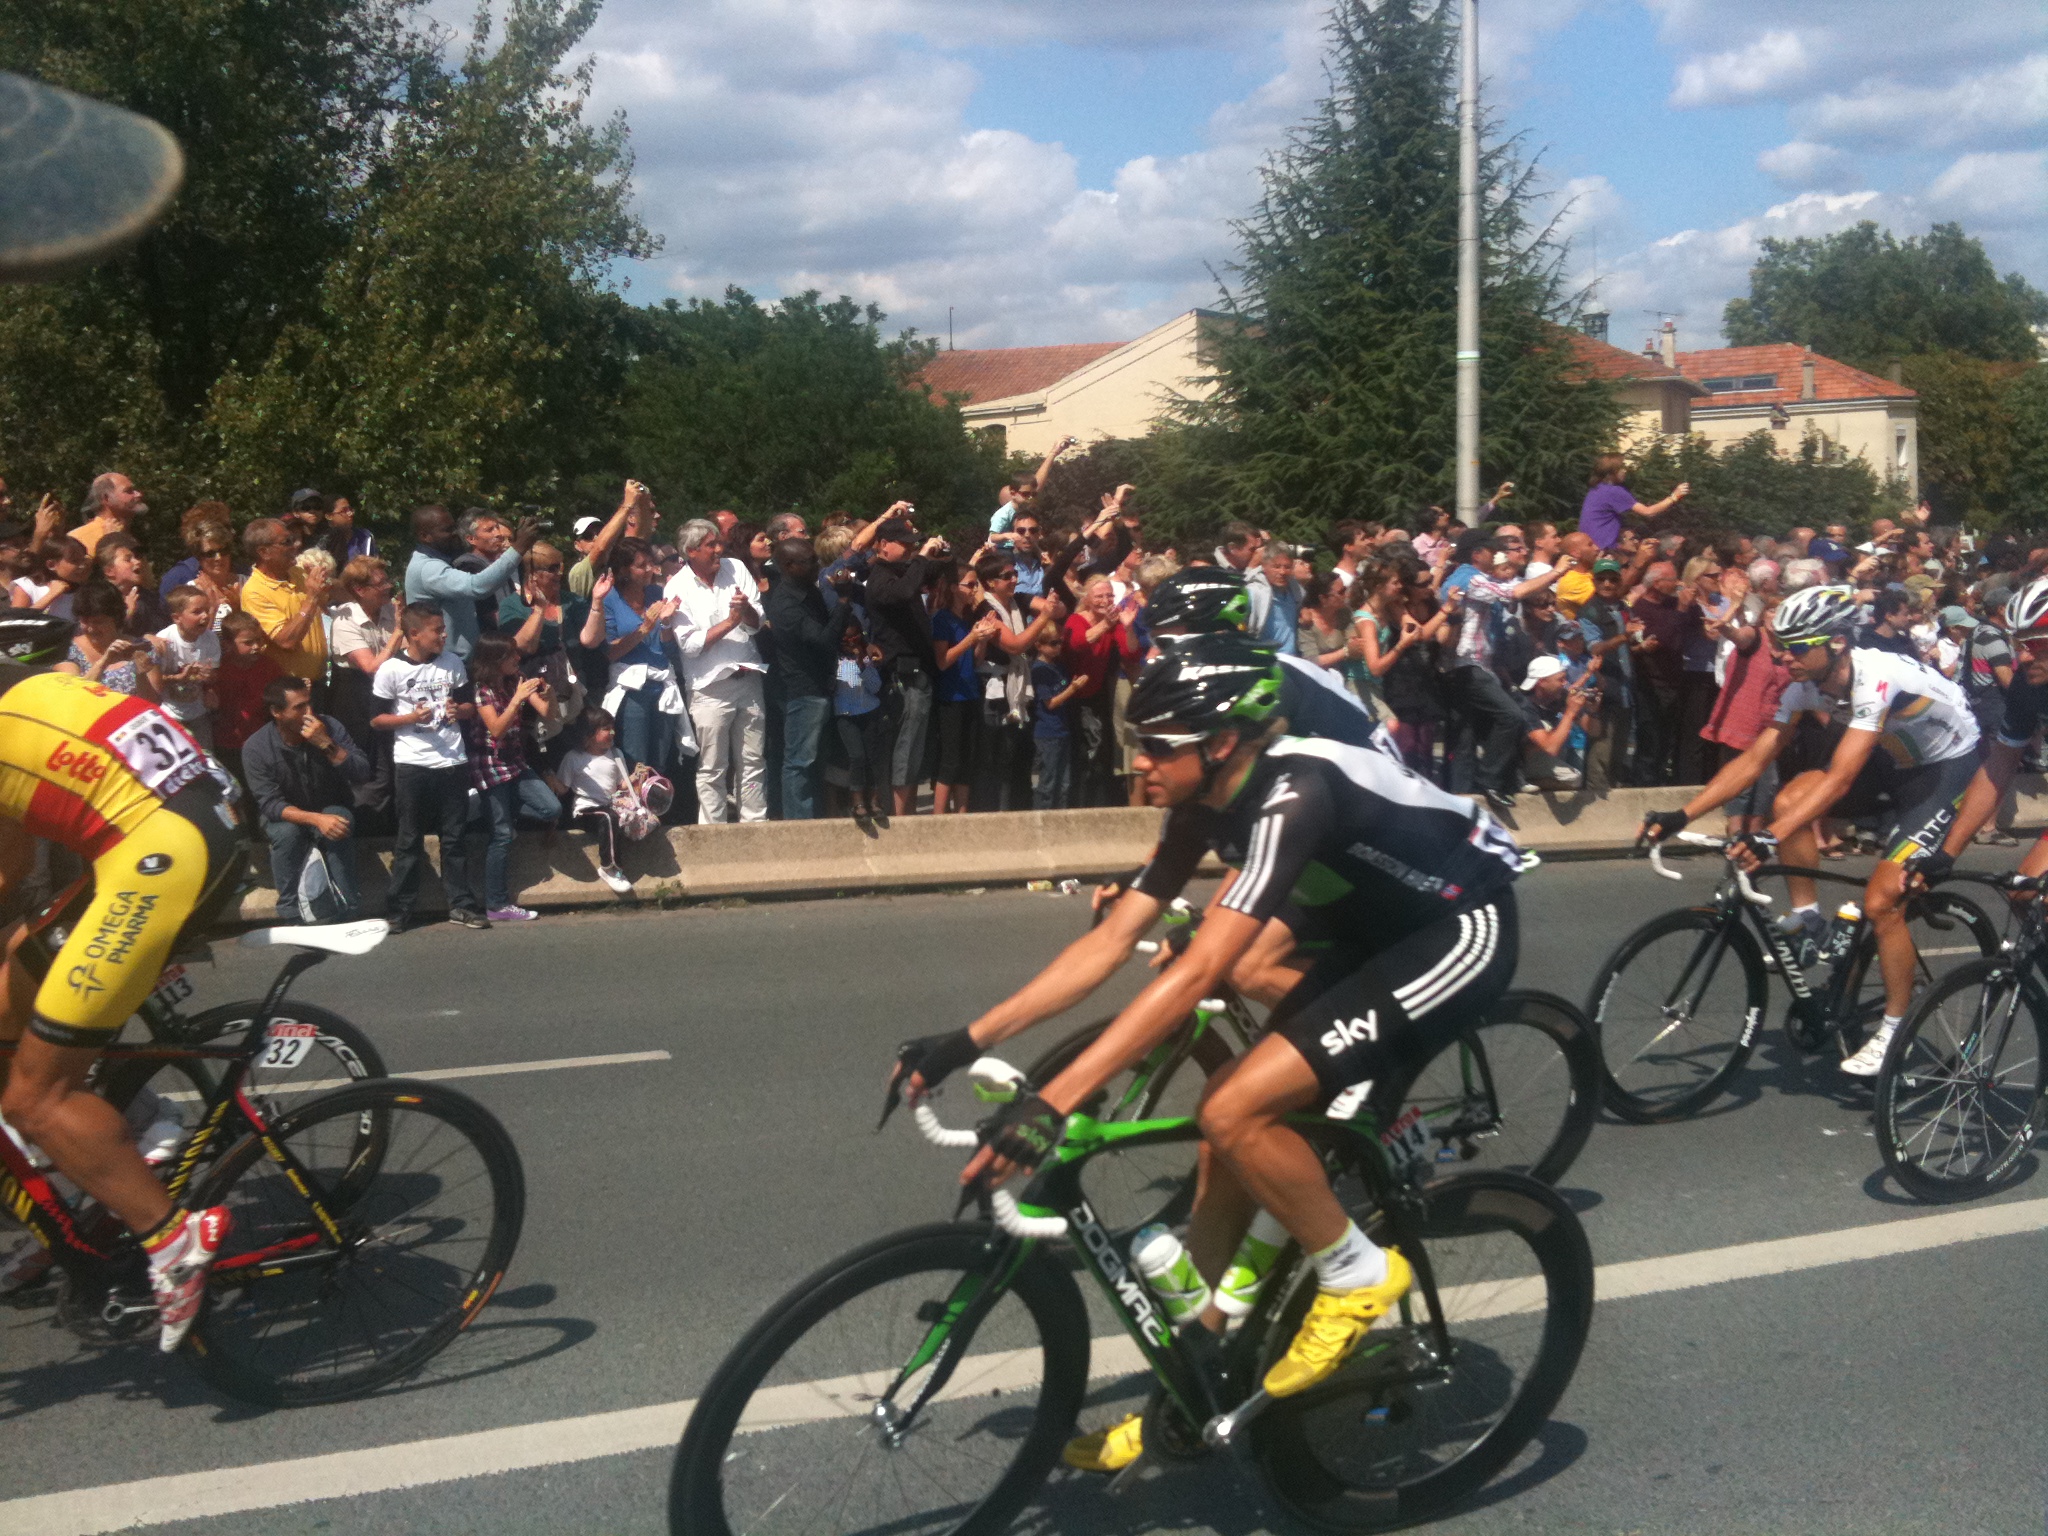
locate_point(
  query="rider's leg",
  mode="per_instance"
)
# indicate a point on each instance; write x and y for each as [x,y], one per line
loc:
[1244,1122]
[1801,848]
[1884,903]
[1265,973]
[83,1134]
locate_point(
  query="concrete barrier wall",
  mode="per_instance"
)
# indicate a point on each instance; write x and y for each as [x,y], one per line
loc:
[825,858]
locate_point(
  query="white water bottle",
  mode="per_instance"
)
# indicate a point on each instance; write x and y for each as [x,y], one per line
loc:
[1164,1262]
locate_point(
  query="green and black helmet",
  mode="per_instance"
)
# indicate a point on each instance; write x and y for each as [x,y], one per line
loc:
[1205,684]
[30,639]
[1201,600]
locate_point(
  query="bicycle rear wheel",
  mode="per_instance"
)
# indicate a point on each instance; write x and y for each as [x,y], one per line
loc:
[1518,1091]
[1959,1095]
[429,1205]
[1129,1188]
[1677,1006]
[1405,1430]
[813,1423]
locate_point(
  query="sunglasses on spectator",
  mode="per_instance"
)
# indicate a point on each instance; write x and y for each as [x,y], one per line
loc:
[547,565]
[213,554]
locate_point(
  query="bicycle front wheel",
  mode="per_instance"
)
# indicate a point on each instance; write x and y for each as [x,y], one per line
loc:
[831,1415]
[1959,1095]
[1130,1188]
[1677,1007]
[1421,1418]
[426,1206]
[1517,1091]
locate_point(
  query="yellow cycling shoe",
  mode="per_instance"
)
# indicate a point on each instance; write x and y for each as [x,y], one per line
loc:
[1333,1328]
[1108,1450]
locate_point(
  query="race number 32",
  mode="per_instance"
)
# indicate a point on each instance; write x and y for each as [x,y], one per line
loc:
[286,1045]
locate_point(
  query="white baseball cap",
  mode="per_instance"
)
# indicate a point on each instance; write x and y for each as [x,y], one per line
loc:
[1542,667]
[586,526]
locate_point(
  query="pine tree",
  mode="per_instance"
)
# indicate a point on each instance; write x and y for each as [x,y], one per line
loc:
[1335,371]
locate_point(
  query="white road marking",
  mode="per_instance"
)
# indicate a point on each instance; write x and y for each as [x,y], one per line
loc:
[446,1074]
[491,1452]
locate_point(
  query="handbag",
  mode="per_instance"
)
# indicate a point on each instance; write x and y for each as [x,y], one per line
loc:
[640,802]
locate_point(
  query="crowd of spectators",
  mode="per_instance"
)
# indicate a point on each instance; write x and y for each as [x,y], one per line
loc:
[488,676]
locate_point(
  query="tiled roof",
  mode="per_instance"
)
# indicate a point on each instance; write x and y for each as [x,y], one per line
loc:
[996,373]
[1831,380]
[1603,360]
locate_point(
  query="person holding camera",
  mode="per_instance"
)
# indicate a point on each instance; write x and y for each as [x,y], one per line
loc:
[1552,709]
[902,632]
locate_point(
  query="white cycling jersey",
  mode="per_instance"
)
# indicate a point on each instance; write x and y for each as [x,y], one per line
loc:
[1919,715]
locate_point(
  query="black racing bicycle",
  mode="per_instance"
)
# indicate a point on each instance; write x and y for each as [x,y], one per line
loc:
[1517,1090]
[369,1224]
[1679,1004]
[925,1383]
[1959,1097]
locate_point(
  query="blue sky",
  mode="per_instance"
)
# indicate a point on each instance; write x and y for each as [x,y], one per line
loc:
[1065,170]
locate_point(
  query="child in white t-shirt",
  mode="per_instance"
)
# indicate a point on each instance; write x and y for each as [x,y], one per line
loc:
[187,657]
[423,695]
[595,772]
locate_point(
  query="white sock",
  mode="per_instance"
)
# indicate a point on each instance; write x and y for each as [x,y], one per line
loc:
[1893,1021]
[1352,1261]
[1811,906]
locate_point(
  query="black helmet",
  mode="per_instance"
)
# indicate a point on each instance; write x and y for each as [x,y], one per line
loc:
[31,639]
[1201,600]
[1206,684]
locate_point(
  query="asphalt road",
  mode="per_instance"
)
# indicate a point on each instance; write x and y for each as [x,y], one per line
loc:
[671,1199]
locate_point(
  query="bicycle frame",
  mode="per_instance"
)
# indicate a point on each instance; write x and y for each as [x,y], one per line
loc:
[30,1196]
[1056,1191]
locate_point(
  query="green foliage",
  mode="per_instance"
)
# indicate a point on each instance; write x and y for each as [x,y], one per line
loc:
[1866,297]
[1966,438]
[799,406]
[464,345]
[280,107]
[1749,487]
[2026,404]
[1335,387]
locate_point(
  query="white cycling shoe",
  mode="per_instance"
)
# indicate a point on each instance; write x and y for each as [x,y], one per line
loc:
[1865,1063]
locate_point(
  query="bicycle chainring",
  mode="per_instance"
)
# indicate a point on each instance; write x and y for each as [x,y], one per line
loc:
[1167,1432]
[1807,1024]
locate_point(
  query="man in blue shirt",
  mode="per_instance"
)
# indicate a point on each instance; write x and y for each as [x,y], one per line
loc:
[431,575]
[1023,551]
[1276,601]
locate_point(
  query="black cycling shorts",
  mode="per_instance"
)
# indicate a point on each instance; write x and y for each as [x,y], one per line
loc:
[1918,804]
[1368,1024]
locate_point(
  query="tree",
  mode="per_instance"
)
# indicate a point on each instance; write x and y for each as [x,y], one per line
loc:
[280,107]
[2026,404]
[1749,487]
[798,406]
[1866,297]
[464,344]
[1335,379]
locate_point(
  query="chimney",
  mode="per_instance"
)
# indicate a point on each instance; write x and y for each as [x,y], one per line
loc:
[1667,344]
[1806,389]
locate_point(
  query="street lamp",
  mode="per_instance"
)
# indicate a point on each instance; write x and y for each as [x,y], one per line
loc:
[1468,272]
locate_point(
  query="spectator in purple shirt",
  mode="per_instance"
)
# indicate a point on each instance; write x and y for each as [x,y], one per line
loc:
[1609,501]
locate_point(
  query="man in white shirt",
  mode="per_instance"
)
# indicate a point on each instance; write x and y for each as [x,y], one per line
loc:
[419,692]
[717,617]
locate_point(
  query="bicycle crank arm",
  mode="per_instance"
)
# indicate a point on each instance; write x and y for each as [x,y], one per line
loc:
[1222,1431]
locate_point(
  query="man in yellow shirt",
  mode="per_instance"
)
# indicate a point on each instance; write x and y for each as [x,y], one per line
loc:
[1575,587]
[287,602]
[112,504]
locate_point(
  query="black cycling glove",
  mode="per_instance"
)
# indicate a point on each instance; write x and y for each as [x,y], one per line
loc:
[1025,1130]
[1933,866]
[933,1058]
[1659,825]
[1761,844]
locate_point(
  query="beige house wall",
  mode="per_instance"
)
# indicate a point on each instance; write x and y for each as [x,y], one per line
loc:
[1121,394]
[1885,434]
[1652,409]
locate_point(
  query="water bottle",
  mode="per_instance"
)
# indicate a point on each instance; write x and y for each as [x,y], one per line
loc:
[1841,933]
[1165,1264]
[1238,1291]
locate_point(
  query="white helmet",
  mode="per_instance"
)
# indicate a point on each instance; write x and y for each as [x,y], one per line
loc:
[1815,613]
[2026,611]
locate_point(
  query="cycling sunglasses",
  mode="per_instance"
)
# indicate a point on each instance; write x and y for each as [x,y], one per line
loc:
[1166,746]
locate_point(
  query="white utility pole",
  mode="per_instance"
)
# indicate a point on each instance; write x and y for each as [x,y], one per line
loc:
[1468,272]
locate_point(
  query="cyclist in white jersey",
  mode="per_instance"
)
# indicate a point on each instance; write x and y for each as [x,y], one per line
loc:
[1903,742]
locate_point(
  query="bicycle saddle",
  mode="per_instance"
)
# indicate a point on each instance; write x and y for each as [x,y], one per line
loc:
[357,938]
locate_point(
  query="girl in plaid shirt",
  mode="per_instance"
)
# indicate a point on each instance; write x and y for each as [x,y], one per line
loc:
[506,705]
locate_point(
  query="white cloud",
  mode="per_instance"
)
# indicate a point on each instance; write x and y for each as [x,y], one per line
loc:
[1994,188]
[1761,67]
[1989,106]
[1803,163]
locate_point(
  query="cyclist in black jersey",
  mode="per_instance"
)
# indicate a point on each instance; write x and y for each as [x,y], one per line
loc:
[1410,887]
[2025,713]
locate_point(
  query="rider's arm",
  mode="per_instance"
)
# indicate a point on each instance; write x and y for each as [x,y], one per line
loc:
[1738,773]
[1797,808]
[1074,973]
[1157,1011]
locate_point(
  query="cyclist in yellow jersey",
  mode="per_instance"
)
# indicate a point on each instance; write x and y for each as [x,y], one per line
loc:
[122,785]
